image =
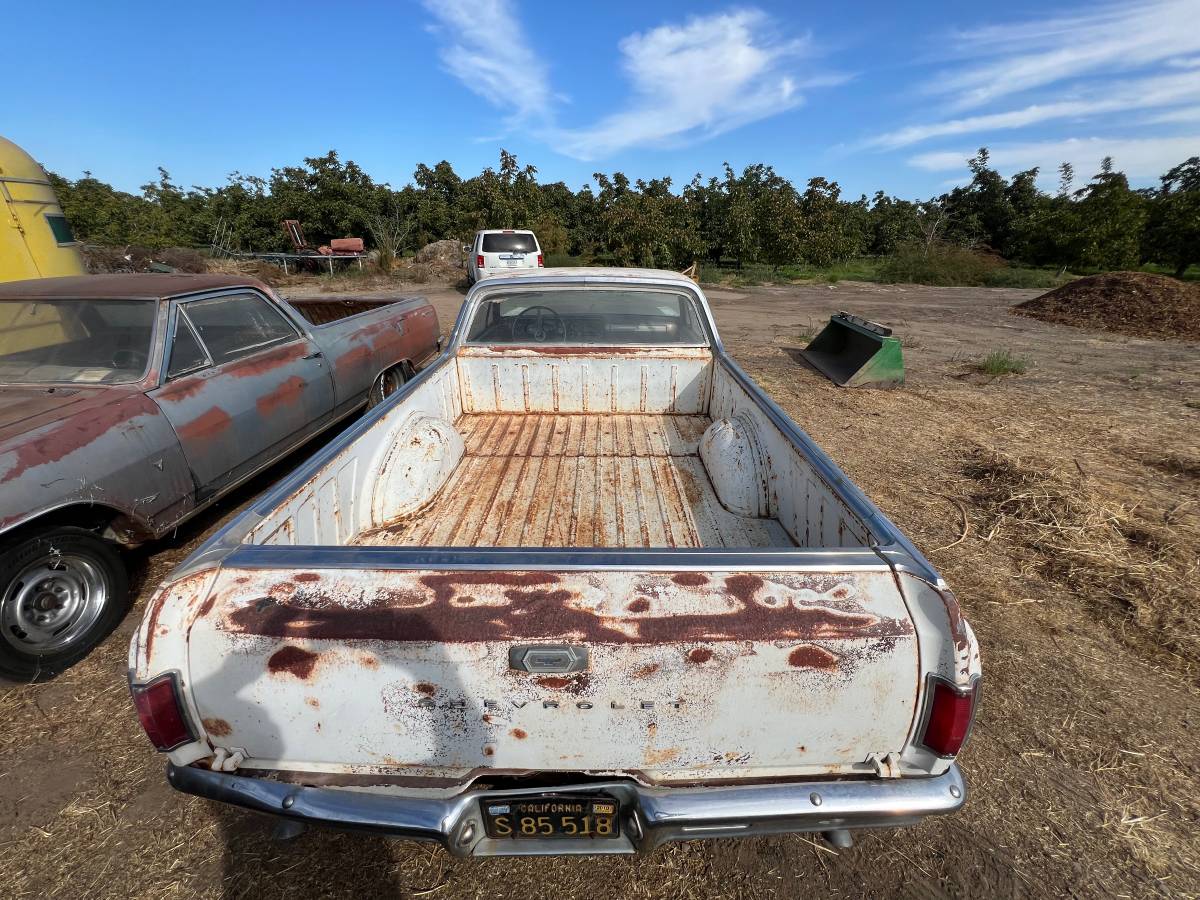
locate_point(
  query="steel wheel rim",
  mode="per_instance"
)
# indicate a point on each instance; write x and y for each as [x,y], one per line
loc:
[52,601]
[392,382]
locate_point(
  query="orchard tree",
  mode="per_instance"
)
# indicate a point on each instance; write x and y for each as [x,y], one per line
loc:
[1109,221]
[1173,230]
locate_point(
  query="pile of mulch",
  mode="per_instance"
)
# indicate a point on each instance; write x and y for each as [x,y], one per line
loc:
[1135,303]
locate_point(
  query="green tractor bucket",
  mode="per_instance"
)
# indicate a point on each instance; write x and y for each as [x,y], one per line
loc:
[852,352]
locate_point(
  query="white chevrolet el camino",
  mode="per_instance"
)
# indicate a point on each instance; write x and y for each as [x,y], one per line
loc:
[579,587]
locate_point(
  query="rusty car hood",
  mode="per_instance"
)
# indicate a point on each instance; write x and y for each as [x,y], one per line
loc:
[24,408]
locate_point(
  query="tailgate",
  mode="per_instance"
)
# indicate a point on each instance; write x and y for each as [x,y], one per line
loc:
[687,676]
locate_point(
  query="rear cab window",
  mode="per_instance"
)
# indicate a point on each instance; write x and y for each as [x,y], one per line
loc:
[634,317]
[510,242]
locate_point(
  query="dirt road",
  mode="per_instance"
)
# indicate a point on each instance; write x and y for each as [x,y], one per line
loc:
[1061,505]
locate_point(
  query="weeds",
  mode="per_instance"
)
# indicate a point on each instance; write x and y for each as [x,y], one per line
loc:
[1002,362]
[1022,277]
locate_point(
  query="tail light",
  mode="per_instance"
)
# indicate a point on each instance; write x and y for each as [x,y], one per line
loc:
[161,712]
[479,261]
[541,262]
[949,711]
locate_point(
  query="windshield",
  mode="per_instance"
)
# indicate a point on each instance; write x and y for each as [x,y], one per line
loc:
[515,242]
[598,316]
[75,341]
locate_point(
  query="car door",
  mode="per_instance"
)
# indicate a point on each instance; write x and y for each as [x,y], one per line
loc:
[243,385]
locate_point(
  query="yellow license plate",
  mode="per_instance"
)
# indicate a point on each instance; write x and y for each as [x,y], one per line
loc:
[550,816]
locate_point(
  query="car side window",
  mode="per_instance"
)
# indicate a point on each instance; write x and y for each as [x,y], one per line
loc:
[236,325]
[186,353]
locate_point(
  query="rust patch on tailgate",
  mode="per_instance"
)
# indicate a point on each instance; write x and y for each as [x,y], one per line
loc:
[524,606]
[443,585]
[810,656]
[294,661]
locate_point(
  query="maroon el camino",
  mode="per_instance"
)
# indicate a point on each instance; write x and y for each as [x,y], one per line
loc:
[129,403]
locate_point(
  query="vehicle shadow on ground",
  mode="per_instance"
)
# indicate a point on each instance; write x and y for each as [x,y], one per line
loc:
[319,862]
[445,728]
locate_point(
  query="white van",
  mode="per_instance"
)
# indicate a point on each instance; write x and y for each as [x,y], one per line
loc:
[502,250]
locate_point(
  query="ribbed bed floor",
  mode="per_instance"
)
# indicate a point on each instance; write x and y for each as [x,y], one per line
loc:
[580,481]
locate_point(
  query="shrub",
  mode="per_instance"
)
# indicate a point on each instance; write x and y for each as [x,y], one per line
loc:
[1020,277]
[939,264]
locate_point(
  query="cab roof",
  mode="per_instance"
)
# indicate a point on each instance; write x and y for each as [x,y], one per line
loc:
[129,286]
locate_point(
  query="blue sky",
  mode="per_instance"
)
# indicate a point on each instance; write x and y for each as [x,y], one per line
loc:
[873,95]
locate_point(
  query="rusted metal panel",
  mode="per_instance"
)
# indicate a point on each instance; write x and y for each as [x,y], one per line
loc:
[229,417]
[408,672]
[579,481]
[812,511]
[103,446]
[356,471]
[585,379]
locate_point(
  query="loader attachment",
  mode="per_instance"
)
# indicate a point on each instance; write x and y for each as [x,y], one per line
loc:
[852,352]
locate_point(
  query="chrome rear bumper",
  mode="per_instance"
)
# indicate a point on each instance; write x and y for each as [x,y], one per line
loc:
[650,816]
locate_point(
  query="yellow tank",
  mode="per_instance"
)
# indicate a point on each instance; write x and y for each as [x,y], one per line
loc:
[35,239]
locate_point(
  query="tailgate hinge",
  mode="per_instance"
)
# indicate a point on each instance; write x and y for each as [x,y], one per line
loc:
[886,765]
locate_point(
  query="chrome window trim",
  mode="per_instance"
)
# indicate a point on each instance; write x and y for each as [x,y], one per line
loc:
[177,314]
[244,352]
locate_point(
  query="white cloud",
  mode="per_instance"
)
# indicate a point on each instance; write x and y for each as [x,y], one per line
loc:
[1183,114]
[705,77]
[689,81]
[1139,158]
[485,48]
[1143,93]
[1101,40]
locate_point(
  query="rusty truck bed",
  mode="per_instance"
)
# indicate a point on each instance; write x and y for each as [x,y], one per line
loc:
[580,480]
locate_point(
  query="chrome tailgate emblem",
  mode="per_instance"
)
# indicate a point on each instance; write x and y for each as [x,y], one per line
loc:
[548,658]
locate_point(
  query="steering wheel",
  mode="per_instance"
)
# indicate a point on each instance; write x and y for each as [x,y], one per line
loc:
[129,359]
[540,328]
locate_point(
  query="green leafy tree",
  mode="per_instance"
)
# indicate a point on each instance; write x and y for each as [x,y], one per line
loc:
[1109,221]
[829,232]
[1173,227]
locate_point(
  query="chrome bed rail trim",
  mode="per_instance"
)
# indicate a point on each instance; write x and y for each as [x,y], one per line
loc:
[559,559]
[650,816]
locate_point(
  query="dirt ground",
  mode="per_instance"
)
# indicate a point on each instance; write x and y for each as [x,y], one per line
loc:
[1062,505]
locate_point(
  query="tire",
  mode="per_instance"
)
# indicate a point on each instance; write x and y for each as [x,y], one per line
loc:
[61,592]
[386,384]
